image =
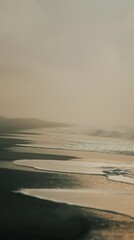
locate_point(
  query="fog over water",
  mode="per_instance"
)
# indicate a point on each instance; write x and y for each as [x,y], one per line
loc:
[67,60]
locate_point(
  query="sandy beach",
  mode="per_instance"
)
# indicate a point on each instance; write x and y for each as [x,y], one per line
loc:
[52,203]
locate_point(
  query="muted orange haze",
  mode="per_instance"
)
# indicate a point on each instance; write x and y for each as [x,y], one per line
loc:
[67,60]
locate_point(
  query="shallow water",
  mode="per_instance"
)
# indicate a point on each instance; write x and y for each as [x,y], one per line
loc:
[71,139]
[110,200]
[119,147]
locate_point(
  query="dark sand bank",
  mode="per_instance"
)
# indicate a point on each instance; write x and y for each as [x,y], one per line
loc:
[11,180]
[23,217]
[7,153]
[30,217]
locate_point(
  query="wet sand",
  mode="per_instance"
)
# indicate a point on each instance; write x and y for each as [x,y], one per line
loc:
[25,216]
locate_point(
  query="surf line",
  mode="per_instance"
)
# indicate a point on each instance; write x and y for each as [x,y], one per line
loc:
[121,172]
[117,202]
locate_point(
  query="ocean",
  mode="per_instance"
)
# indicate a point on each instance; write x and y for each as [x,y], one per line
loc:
[109,157]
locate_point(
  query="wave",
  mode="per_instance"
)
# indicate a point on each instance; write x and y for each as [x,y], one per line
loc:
[124,134]
[119,202]
[117,172]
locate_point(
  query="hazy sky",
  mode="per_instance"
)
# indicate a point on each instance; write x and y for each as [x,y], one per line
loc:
[67,60]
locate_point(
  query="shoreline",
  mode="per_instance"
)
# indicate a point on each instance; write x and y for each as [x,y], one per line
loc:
[37,219]
[49,216]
